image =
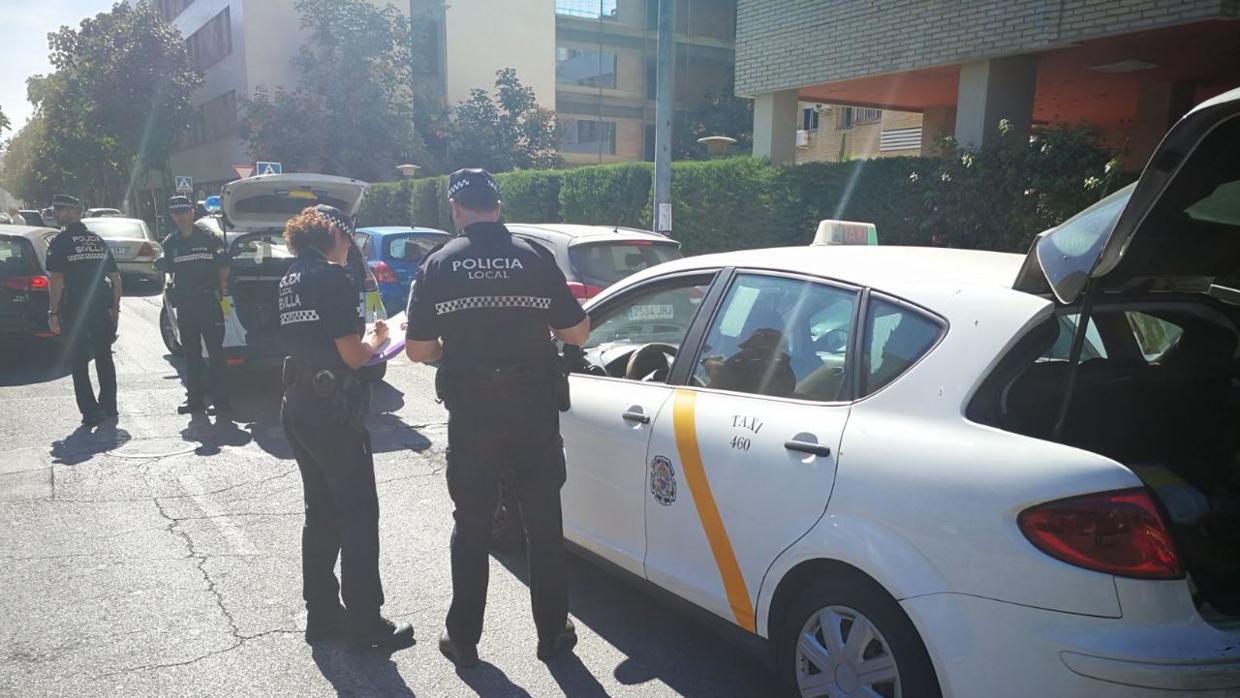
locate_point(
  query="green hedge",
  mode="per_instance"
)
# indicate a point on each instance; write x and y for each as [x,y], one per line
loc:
[607,195]
[996,198]
[531,196]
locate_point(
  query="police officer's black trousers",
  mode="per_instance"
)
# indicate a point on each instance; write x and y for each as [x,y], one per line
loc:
[202,323]
[486,435]
[342,508]
[90,339]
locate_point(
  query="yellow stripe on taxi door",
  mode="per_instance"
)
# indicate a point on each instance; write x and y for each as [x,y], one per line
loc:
[685,426]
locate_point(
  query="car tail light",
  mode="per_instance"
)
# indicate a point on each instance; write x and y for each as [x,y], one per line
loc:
[234,361]
[383,273]
[147,250]
[1118,533]
[582,291]
[26,283]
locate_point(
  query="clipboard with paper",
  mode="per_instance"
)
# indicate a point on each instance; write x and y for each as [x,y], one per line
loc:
[393,345]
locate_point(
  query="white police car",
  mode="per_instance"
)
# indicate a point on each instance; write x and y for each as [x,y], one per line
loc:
[255,211]
[910,473]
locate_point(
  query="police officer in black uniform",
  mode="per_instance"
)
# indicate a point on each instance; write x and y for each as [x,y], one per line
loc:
[487,304]
[85,305]
[324,413]
[198,262]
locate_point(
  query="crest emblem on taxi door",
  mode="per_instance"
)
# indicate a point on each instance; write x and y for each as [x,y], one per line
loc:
[662,481]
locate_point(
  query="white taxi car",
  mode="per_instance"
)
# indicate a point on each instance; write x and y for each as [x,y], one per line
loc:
[917,472]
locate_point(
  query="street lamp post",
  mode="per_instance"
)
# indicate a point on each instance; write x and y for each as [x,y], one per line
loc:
[717,146]
[408,170]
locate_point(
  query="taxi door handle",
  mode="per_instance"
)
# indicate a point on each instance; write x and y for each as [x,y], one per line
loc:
[636,416]
[808,447]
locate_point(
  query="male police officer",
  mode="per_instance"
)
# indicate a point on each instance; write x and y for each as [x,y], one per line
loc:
[487,304]
[198,262]
[83,307]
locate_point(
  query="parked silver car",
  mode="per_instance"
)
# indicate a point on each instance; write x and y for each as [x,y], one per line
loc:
[135,249]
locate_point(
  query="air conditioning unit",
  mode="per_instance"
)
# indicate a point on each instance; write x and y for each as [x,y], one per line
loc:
[802,138]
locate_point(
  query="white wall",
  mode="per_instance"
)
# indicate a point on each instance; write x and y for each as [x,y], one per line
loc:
[484,36]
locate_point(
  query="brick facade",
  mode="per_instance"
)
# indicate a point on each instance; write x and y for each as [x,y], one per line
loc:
[785,44]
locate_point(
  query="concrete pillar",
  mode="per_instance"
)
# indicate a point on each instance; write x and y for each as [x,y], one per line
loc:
[1000,88]
[936,122]
[775,126]
[1159,105]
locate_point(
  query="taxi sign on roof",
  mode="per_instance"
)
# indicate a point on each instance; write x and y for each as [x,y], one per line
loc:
[831,232]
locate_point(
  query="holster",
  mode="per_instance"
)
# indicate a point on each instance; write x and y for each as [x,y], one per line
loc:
[343,399]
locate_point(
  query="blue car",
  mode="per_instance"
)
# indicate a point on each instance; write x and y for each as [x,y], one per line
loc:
[394,253]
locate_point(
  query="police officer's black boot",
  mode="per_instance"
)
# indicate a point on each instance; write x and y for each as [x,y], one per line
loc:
[565,641]
[380,633]
[463,657]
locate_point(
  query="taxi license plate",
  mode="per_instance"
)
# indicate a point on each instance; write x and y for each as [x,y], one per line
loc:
[652,312]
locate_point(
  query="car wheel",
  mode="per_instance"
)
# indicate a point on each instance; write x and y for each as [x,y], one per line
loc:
[845,635]
[507,528]
[165,331]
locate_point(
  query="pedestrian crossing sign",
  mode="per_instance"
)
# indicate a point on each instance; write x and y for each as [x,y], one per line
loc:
[185,184]
[268,168]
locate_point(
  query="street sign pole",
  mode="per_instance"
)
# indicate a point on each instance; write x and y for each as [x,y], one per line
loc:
[666,74]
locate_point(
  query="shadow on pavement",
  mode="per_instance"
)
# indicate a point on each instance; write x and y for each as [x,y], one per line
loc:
[660,642]
[87,442]
[211,436]
[256,394]
[354,673]
[32,361]
[486,679]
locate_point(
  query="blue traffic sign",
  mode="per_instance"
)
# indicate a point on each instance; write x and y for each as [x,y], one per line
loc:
[268,168]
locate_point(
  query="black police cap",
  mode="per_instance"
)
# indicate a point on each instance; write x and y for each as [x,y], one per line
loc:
[471,178]
[66,201]
[336,217]
[180,204]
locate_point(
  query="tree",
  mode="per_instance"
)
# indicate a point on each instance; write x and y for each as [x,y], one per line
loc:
[509,131]
[4,121]
[999,196]
[352,113]
[112,109]
[722,114]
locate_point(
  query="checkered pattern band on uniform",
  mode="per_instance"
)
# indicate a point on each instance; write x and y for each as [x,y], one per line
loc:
[336,219]
[196,257]
[296,316]
[468,182]
[487,302]
[86,255]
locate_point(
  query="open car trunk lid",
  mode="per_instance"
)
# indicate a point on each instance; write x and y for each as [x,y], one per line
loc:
[1177,228]
[267,202]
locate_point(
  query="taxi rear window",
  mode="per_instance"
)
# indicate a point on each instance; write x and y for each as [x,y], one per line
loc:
[287,203]
[605,263]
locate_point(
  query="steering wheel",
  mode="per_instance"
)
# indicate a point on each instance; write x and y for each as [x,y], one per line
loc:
[833,342]
[648,359]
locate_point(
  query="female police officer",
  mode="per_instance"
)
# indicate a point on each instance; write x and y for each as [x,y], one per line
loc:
[324,415]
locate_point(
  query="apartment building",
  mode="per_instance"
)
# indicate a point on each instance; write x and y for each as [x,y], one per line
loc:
[837,133]
[592,61]
[605,67]
[240,45]
[1121,65]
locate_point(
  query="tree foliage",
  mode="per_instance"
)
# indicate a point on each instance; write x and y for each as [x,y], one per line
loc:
[111,111]
[999,196]
[505,132]
[352,113]
[4,122]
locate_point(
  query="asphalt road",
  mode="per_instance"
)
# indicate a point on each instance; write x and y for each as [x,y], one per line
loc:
[159,556]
